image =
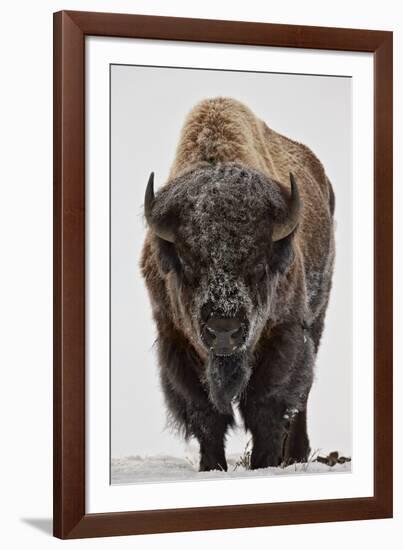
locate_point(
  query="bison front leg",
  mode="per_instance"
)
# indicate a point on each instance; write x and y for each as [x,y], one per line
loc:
[188,401]
[286,444]
[274,404]
[210,427]
[264,418]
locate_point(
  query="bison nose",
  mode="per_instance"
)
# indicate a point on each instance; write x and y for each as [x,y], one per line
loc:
[223,335]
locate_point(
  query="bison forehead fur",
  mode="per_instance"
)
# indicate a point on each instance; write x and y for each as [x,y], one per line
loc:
[210,255]
[223,215]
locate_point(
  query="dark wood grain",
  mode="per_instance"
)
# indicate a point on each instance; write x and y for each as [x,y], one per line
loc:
[227,32]
[70,518]
[69,276]
[383,276]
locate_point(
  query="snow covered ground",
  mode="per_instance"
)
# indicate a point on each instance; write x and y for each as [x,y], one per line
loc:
[137,469]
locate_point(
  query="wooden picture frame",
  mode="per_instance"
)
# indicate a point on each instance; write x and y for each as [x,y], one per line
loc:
[70,517]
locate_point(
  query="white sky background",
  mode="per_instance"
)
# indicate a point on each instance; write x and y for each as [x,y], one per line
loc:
[148,107]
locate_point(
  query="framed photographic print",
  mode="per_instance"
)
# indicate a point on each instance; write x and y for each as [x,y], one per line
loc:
[222,274]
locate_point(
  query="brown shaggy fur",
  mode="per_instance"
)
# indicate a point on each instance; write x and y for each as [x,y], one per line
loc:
[225,130]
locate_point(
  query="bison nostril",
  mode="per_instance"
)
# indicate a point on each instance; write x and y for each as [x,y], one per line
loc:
[236,334]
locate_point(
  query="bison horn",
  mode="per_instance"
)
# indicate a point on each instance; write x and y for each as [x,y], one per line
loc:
[282,230]
[149,200]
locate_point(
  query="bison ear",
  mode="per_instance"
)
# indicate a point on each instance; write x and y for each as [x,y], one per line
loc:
[284,229]
[159,229]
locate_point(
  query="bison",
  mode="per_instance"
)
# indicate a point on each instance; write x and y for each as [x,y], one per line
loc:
[238,262]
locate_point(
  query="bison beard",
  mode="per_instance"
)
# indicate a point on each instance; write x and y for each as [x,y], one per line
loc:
[227,376]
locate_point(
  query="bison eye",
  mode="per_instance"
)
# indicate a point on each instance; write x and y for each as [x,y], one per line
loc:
[187,270]
[259,272]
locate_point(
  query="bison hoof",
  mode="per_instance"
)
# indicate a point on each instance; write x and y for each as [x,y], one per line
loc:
[209,465]
[264,461]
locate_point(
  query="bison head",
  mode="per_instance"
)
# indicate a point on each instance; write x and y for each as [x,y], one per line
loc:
[223,235]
